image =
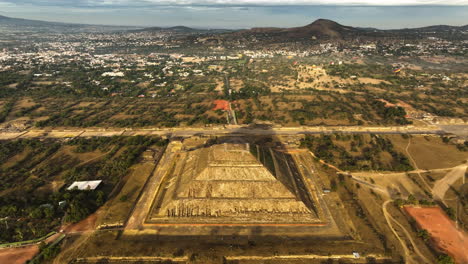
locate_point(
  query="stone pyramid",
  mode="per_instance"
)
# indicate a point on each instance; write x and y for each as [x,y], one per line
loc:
[227,181]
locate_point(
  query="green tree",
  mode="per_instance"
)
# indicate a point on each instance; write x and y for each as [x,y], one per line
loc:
[445,259]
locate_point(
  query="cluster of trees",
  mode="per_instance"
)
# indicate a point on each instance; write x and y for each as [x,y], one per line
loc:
[249,91]
[80,204]
[46,252]
[6,110]
[12,77]
[168,112]
[29,208]
[19,173]
[411,200]
[441,98]
[445,259]
[10,148]
[362,156]
[391,114]
[24,218]
[111,167]
[33,216]
[83,145]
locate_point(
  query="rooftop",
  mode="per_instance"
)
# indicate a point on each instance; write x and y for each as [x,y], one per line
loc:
[85,185]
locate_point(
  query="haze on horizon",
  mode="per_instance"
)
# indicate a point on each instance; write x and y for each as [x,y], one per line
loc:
[390,14]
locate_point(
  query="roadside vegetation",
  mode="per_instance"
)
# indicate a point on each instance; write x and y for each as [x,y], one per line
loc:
[357,152]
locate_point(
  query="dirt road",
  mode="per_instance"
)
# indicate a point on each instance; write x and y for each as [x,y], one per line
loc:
[415,165]
[18,255]
[409,257]
[441,186]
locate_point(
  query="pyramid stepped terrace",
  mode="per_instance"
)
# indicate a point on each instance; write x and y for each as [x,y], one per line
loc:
[226,183]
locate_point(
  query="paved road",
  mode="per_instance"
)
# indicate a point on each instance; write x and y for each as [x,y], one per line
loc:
[459,130]
[228,130]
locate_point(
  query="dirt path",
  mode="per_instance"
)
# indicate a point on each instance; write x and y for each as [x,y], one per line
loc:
[18,255]
[75,245]
[441,186]
[325,163]
[363,174]
[408,256]
[416,167]
[370,185]
[232,115]
[85,228]
[93,159]
[84,225]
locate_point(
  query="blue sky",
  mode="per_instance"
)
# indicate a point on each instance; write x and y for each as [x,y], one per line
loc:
[242,13]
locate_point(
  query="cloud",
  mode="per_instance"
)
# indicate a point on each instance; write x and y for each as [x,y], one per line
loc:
[146,3]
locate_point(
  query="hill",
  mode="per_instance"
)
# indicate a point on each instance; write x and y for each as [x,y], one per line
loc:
[20,24]
[24,22]
[319,29]
[324,29]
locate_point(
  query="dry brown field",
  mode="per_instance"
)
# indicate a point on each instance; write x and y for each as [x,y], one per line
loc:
[430,152]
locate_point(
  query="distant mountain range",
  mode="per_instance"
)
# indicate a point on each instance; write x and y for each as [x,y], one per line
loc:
[321,28]
[19,24]
[181,29]
[9,21]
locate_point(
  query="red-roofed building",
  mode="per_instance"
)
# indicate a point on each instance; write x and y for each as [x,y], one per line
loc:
[221,105]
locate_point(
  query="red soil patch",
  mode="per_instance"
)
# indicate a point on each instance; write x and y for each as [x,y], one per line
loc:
[18,255]
[443,231]
[221,105]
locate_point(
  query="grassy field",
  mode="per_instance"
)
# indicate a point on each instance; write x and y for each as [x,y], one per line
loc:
[430,152]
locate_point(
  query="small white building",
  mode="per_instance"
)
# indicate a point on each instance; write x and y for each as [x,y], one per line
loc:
[113,74]
[84,185]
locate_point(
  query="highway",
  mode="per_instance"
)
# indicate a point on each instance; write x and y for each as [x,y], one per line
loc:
[216,131]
